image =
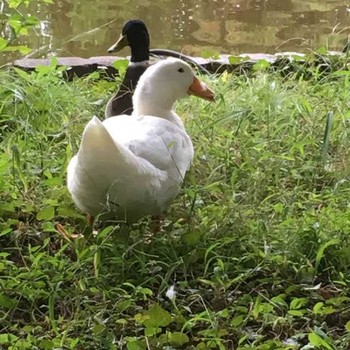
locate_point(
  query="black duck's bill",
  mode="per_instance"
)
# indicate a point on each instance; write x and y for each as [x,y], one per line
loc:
[120,44]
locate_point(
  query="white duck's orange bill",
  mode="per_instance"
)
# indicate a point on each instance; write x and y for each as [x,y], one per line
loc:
[200,89]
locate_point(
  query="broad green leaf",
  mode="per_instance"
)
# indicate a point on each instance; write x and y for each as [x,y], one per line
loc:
[151,331]
[317,309]
[54,62]
[136,345]
[46,214]
[236,59]
[7,302]
[158,317]
[192,238]
[48,227]
[297,303]
[43,70]
[98,329]
[124,305]
[278,208]
[178,338]
[300,312]
[256,308]
[145,291]
[53,181]
[105,232]
[46,344]
[280,300]
[20,48]
[68,212]
[6,232]
[3,43]
[4,160]
[23,31]
[23,345]
[210,54]
[140,318]
[73,343]
[327,310]
[242,339]
[321,309]
[120,66]
[31,21]
[7,338]
[261,65]
[15,23]
[4,338]
[237,321]
[318,341]
[14,3]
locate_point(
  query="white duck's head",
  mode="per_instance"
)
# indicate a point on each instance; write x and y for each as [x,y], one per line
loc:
[165,82]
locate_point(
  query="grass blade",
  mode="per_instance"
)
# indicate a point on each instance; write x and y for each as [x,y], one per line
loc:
[327,134]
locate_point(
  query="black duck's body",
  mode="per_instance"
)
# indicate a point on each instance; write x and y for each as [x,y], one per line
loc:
[135,35]
[121,102]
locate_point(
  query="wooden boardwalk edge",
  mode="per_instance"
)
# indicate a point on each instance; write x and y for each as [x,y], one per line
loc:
[77,66]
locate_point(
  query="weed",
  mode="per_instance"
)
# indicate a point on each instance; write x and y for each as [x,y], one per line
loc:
[256,245]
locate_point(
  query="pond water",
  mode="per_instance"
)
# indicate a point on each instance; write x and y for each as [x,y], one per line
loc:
[88,27]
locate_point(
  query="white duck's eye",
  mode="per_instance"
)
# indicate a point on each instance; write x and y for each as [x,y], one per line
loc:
[180,70]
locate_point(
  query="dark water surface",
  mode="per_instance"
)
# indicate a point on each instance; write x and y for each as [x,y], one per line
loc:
[88,27]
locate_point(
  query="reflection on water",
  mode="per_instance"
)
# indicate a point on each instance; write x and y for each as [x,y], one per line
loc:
[87,28]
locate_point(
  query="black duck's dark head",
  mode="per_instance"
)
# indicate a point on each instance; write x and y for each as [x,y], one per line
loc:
[135,35]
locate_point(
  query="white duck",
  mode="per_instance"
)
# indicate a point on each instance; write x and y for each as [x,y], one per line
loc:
[134,165]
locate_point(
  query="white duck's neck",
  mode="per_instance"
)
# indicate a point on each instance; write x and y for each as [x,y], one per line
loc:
[164,113]
[146,101]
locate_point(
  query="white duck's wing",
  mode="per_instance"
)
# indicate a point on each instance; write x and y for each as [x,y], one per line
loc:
[156,140]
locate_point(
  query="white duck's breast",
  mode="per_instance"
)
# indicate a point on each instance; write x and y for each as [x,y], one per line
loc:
[160,142]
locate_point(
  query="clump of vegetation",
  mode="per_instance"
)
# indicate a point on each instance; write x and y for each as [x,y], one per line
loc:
[254,253]
[16,22]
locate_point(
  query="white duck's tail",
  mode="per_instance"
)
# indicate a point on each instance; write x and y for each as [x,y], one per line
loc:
[97,147]
[96,142]
[99,163]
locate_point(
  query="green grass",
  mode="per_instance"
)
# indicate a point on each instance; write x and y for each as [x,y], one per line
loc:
[256,244]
